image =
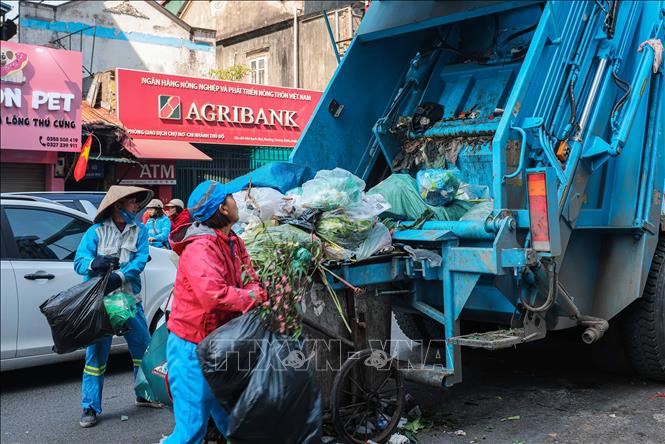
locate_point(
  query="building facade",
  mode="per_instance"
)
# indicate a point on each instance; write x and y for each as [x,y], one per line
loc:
[279,44]
[283,43]
[110,34]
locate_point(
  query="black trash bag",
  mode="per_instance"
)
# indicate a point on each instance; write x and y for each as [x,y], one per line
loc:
[282,402]
[229,354]
[263,381]
[77,316]
[425,116]
[306,221]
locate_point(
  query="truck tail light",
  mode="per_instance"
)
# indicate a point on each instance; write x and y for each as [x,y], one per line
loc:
[538,211]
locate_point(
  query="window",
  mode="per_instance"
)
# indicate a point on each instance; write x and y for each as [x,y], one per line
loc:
[45,235]
[74,205]
[259,70]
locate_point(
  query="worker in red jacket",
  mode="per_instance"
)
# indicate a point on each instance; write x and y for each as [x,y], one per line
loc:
[208,292]
[178,214]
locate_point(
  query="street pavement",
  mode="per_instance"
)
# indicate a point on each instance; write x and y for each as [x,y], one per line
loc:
[42,405]
[546,393]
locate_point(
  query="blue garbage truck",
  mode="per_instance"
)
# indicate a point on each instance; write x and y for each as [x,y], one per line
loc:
[557,109]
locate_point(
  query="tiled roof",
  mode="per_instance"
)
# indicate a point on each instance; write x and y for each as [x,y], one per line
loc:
[98,116]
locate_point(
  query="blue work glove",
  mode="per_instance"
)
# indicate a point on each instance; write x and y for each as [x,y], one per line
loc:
[101,264]
[114,282]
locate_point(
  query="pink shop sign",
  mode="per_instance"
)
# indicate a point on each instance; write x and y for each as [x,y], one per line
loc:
[40,98]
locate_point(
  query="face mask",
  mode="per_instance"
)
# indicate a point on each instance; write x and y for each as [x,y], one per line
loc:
[127,216]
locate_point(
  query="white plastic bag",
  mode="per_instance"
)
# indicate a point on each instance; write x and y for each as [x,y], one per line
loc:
[263,203]
[378,239]
[293,202]
[470,191]
[421,255]
[368,207]
[438,186]
[331,189]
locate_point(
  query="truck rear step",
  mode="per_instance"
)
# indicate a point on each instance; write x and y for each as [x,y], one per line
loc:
[494,340]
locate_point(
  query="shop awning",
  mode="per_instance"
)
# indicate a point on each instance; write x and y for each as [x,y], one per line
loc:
[115,160]
[165,149]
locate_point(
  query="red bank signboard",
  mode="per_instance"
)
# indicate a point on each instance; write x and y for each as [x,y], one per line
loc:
[40,98]
[161,106]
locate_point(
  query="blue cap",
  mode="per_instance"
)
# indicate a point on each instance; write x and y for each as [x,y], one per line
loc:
[207,197]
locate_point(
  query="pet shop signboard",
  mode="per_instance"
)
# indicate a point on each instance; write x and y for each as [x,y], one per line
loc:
[40,98]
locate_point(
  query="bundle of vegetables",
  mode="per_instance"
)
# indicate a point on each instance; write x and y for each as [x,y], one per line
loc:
[337,227]
[264,236]
[287,259]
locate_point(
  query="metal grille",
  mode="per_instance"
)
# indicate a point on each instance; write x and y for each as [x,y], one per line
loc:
[228,162]
[262,155]
[17,177]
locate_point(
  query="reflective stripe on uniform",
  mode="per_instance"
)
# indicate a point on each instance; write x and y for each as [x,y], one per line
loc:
[94,371]
[137,362]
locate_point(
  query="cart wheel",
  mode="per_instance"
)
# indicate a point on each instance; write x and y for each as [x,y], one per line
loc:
[367,397]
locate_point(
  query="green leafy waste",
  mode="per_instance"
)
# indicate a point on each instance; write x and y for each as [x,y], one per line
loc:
[338,227]
[286,260]
[412,428]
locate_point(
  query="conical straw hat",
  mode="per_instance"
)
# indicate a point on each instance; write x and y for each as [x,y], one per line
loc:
[117,192]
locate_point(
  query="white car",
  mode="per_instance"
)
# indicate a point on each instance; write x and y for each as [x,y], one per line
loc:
[38,244]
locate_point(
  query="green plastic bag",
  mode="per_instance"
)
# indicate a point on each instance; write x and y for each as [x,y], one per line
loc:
[155,367]
[120,308]
[142,387]
[401,192]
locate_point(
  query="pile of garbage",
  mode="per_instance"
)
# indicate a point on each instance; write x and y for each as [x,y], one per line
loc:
[295,223]
[332,208]
[404,196]
[433,158]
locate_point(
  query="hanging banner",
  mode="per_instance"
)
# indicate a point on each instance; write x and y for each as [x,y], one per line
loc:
[161,106]
[40,98]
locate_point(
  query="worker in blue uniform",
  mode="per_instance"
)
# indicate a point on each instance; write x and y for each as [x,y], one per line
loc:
[115,242]
[158,224]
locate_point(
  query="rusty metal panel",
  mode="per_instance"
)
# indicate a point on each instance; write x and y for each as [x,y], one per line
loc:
[469,259]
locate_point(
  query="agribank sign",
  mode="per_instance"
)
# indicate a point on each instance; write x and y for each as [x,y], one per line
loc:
[40,98]
[160,106]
